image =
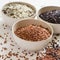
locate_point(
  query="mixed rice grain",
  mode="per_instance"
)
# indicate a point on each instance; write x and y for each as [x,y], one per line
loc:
[18,10]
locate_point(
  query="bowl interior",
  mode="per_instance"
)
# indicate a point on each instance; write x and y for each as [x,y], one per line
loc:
[27,22]
[48,8]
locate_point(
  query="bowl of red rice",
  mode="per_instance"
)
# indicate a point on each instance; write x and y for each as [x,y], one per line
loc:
[32,34]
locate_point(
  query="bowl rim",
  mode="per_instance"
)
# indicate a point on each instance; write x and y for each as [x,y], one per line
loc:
[43,19]
[30,5]
[28,20]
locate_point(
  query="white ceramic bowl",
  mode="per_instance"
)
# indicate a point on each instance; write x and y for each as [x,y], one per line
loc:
[30,45]
[49,8]
[10,20]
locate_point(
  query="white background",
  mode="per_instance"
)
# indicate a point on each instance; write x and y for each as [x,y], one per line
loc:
[36,3]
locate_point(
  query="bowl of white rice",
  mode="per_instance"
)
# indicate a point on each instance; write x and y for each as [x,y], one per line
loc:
[13,11]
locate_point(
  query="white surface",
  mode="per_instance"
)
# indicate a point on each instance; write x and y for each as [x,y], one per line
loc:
[11,42]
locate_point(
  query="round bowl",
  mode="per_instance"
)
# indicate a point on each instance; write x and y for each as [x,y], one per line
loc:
[31,45]
[9,20]
[49,8]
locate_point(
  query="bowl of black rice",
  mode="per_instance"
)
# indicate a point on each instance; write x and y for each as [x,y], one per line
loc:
[51,15]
